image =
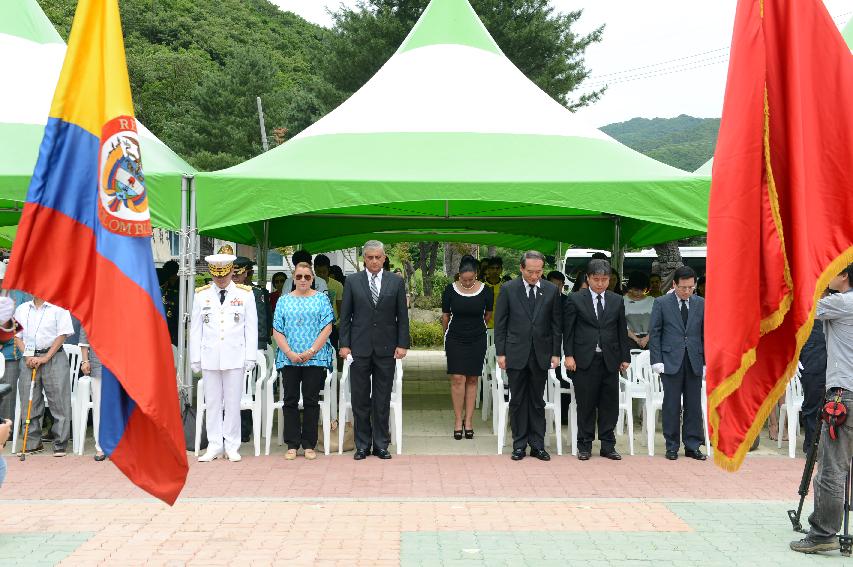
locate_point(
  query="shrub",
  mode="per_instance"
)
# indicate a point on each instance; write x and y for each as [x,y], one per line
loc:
[426,334]
[424,302]
[439,282]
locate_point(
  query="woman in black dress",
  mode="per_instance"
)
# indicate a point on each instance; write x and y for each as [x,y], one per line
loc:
[467,308]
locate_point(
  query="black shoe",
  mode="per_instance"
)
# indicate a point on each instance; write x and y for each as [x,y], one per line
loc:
[612,455]
[382,454]
[540,454]
[457,434]
[360,455]
[697,454]
[517,454]
[100,458]
[469,434]
[47,437]
[584,455]
[671,455]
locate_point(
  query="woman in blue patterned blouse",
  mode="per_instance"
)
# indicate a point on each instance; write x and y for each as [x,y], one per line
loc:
[301,327]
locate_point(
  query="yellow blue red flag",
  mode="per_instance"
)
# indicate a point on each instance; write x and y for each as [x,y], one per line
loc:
[83,242]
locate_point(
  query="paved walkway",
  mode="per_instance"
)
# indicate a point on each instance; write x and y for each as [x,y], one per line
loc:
[421,508]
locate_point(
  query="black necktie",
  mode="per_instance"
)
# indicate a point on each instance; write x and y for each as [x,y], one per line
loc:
[684,311]
[222,296]
[599,307]
[531,297]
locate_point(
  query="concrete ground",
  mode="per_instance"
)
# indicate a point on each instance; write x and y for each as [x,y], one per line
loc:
[443,502]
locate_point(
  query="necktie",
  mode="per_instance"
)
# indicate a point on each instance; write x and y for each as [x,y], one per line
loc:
[374,290]
[684,311]
[222,296]
[531,297]
[599,307]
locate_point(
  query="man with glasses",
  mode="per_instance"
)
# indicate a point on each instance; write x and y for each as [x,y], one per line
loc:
[677,349]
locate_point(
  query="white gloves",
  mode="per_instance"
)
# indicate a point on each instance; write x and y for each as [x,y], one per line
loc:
[658,368]
[195,367]
[250,364]
[7,309]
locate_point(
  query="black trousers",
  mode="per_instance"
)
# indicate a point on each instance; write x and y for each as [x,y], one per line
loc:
[814,392]
[527,404]
[309,380]
[371,412]
[687,386]
[597,390]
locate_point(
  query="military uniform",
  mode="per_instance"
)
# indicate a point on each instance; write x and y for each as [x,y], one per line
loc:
[262,303]
[223,344]
[169,294]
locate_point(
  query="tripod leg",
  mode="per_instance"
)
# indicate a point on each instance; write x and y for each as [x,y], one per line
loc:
[805,481]
[845,540]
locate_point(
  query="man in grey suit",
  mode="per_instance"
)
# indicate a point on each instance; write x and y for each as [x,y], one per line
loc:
[527,344]
[374,329]
[677,349]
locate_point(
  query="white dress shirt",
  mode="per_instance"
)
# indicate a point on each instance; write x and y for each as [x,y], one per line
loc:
[595,300]
[42,325]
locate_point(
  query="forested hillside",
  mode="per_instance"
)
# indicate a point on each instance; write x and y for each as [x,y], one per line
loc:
[684,142]
[196,67]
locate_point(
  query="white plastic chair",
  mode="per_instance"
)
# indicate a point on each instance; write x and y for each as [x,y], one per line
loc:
[654,404]
[553,409]
[75,360]
[790,410]
[573,407]
[500,406]
[708,447]
[251,399]
[626,409]
[638,378]
[396,410]
[485,383]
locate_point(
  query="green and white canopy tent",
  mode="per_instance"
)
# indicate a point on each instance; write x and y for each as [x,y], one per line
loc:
[449,138]
[705,169]
[31,56]
[847,33]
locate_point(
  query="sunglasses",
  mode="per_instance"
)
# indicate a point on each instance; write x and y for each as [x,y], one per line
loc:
[306,277]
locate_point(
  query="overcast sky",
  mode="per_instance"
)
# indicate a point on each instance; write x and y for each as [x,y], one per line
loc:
[661,58]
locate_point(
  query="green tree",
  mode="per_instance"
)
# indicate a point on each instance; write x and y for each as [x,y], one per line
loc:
[537,39]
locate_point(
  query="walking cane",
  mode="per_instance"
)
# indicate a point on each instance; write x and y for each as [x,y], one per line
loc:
[846,540]
[29,412]
[808,471]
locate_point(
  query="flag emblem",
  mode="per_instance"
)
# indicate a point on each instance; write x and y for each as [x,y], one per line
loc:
[122,195]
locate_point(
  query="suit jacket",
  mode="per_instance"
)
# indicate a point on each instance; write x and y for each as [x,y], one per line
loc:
[367,329]
[517,330]
[582,330]
[669,338]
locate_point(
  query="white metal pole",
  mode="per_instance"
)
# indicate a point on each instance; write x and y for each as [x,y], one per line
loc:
[182,284]
[192,244]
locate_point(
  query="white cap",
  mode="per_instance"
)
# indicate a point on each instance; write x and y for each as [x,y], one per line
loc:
[220,260]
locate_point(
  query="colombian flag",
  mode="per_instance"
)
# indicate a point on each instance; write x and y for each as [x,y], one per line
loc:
[780,222]
[84,243]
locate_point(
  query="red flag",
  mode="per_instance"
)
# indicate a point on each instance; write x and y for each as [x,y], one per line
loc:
[780,221]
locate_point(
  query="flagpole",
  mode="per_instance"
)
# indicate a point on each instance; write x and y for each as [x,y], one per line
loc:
[182,284]
[192,241]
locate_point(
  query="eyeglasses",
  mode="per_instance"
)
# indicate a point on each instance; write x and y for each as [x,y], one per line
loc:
[306,277]
[685,287]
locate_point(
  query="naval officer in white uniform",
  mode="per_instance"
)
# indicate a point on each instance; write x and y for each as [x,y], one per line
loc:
[223,345]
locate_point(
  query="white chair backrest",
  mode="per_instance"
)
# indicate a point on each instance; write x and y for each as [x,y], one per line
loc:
[259,372]
[491,360]
[641,368]
[75,360]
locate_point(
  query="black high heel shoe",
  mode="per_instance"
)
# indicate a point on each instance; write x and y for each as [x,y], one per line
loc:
[469,434]
[457,434]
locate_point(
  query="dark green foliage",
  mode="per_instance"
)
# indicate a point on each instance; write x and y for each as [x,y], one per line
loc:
[684,142]
[197,66]
[426,334]
[538,40]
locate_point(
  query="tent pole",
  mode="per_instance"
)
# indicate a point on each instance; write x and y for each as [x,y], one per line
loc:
[561,258]
[182,283]
[617,257]
[192,242]
[263,254]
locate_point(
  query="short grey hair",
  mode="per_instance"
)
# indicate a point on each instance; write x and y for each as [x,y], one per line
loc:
[532,255]
[599,267]
[375,245]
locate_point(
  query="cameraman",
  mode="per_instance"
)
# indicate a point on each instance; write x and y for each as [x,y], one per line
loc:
[836,312]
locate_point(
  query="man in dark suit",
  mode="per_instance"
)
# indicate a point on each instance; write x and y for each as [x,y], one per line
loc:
[527,344]
[374,329]
[677,349]
[595,343]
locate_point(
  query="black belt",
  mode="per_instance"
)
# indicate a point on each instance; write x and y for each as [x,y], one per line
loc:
[41,351]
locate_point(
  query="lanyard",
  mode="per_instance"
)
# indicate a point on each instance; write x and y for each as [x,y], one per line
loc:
[35,335]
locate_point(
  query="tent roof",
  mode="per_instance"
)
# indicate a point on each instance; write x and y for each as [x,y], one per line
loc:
[31,56]
[449,134]
[705,169]
[847,32]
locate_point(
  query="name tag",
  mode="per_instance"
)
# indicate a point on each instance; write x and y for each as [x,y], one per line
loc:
[29,350]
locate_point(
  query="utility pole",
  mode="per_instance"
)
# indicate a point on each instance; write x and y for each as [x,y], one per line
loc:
[264,243]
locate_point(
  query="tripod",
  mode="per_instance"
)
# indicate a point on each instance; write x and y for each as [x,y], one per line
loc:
[808,471]
[846,540]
